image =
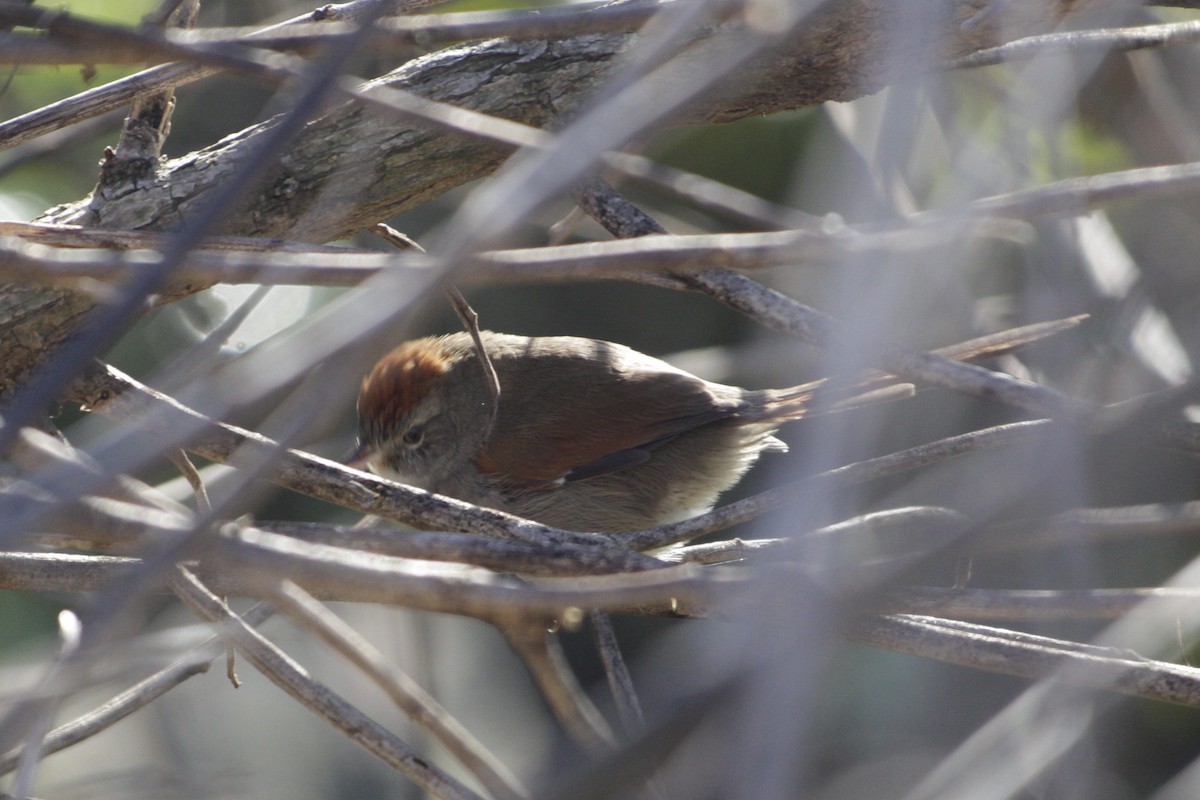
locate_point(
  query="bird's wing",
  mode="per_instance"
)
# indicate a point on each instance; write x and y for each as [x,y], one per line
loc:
[609,425]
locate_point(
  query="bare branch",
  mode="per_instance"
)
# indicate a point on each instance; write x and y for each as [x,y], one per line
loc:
[257,557]
[1031,657]
[421,707]
[832,480]
[620,682]
[557,76]
[548,666]
[289,676]
[499,555]
[1042,604]
[73,40]
[195,662]
[310,474]
[1103,41]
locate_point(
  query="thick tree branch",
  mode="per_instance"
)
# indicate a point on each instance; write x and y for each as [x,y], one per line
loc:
[350,168]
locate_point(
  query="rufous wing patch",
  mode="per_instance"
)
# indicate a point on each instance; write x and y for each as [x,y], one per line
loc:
[592,437]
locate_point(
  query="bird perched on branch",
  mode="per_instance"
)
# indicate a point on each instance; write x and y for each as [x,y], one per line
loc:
[586,435]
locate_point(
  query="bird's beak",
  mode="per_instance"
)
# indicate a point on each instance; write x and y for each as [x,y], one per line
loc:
[360,457]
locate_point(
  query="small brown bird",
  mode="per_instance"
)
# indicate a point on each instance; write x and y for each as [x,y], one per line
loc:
[588,436]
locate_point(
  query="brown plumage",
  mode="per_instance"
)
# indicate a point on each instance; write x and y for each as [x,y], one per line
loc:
[588,435]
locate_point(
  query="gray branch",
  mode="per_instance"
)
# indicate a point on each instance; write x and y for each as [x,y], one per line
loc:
[351,168]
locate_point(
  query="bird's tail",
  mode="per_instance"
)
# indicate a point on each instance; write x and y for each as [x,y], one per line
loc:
[823,397]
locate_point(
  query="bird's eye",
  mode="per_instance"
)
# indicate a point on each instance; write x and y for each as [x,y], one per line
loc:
[413,436]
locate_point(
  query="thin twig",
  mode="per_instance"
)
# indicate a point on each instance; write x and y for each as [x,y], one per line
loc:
[1075,196]
[620,683]
[108,97]
[713,196]
[289,676]
[195,662]
[782,313]
[470,321]
[188,366]
[1026,605]
[1003,651]
[1106,40]
[33,749]
[184,464]
[832,480]
[91,522]
[544,659]
[1092,525]
[724,551]
[779,312]
[414,701]
[51,462]
[466,315]
[113,45]
[633,260]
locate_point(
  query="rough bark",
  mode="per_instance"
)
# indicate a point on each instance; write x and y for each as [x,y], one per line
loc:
[351,168]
